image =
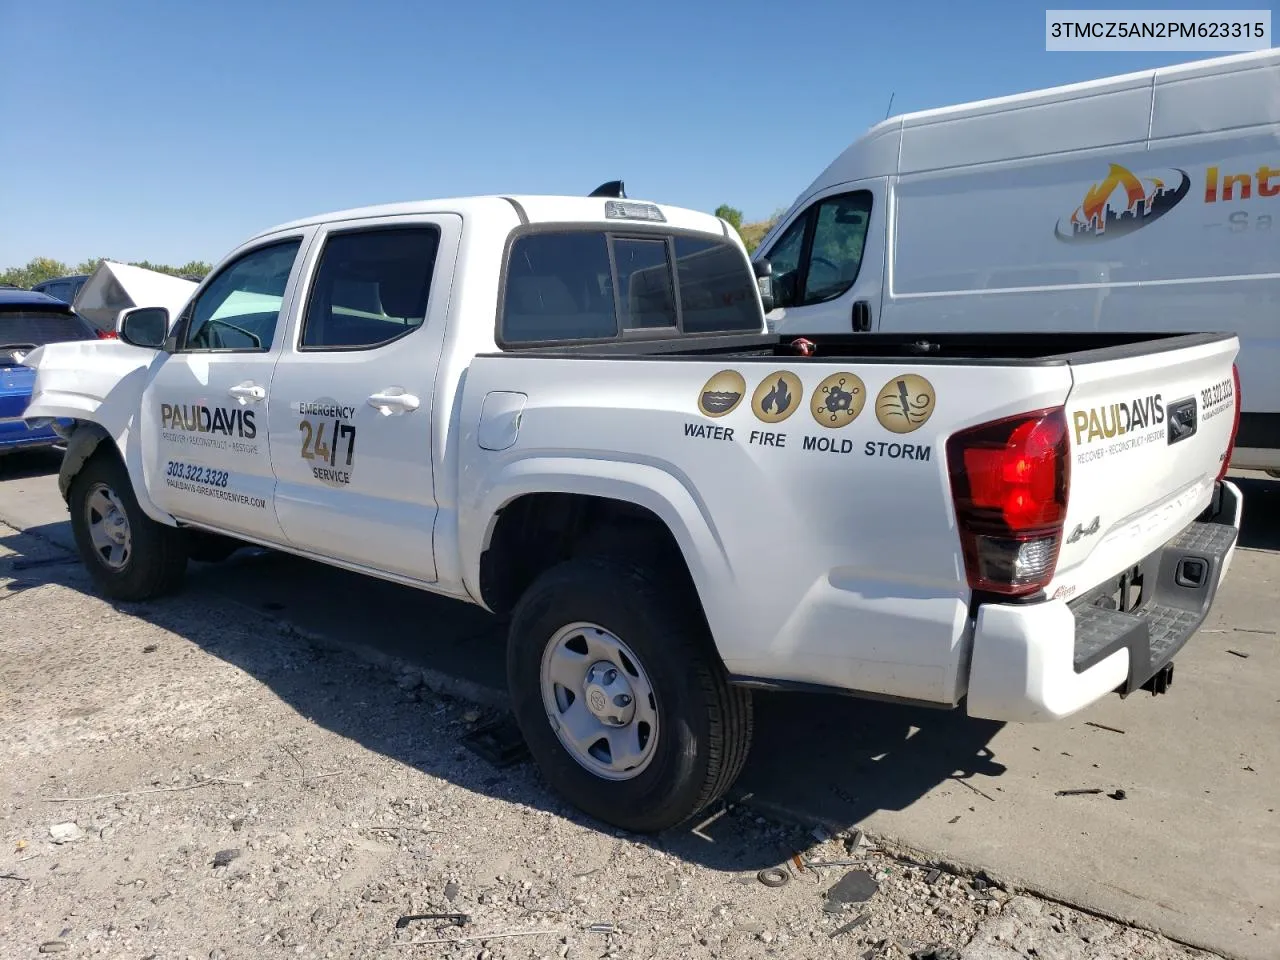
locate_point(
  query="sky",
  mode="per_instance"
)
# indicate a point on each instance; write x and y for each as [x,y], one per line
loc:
[172,131]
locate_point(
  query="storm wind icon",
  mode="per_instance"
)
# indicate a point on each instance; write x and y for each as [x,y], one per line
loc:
[1122,203]
[778,399]
[905,403]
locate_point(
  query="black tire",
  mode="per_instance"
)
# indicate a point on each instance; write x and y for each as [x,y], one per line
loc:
[205,547]
[157,560]
[704,723]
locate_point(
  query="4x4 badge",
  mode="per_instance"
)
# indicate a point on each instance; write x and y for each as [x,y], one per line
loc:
[1082,531]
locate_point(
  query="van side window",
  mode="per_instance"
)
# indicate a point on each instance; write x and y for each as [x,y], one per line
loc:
[819,256]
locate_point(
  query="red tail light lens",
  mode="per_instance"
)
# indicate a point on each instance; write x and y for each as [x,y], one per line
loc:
[108,335]
[1009,481]
[1235,424]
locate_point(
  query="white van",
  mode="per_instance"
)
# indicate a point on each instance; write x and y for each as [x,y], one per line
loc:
[1146,202]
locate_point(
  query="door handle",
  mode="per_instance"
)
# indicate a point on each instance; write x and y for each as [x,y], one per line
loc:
[247,392]
[388,403]
[861,316]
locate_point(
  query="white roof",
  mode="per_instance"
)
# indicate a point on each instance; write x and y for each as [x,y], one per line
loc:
[539,208]
[1216,93]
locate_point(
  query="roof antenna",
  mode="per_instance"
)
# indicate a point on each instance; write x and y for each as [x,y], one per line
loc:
[889,107]
[613,188]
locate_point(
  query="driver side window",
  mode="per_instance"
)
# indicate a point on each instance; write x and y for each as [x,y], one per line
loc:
[238,311]
[819,255]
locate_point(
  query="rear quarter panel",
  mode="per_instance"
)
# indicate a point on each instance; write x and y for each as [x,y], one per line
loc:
[824,551]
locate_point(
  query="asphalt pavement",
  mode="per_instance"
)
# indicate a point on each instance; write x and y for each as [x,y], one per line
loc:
[1182,839]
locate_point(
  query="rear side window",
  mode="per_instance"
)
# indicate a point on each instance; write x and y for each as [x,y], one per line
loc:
[592,285]
[34,328]
[559,287]
[717,293]
[371,287]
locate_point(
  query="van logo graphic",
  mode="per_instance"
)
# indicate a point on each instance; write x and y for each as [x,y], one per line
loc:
[1122,203]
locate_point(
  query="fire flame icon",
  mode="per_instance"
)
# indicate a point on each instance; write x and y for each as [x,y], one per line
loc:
[778,399]
[777,396]
[1122,202]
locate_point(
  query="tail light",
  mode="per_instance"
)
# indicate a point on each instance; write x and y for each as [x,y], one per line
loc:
[107,335]
[1009,481]
[1235,424]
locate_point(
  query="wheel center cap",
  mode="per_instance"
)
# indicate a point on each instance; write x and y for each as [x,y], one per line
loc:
[117,527]
[608,695]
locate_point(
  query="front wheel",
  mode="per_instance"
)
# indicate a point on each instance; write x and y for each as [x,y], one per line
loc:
[621,697]
[128,555]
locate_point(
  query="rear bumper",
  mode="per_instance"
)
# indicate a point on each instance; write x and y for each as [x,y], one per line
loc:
[1046,661]
[16,435]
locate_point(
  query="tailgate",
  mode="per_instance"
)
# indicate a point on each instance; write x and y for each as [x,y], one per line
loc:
[1148,434]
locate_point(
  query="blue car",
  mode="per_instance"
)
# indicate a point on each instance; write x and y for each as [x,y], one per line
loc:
[28,320]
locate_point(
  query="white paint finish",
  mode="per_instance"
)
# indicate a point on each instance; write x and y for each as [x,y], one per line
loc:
[500,419]
[979,190]
[1023,665]
[838,564]
[378,511]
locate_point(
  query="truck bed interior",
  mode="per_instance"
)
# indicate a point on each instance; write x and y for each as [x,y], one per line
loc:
[1009,348]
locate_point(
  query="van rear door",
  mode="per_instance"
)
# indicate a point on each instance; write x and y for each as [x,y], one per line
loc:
[828,262]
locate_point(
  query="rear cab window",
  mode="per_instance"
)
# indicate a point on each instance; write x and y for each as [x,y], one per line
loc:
[593,285]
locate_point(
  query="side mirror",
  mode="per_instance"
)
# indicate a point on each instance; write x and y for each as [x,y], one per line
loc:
[145,327]
[764,280]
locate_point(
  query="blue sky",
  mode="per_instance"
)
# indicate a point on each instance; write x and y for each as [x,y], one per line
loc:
[171,131]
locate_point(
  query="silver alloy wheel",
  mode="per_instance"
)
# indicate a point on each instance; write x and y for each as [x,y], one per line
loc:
[108,526]
[599,701]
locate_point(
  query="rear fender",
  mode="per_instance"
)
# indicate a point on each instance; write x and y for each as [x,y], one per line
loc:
[644,485]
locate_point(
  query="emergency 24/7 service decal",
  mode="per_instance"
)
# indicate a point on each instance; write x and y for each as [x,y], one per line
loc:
[327,439]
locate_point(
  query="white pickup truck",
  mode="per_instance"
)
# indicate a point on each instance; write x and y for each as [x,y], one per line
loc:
[569,410]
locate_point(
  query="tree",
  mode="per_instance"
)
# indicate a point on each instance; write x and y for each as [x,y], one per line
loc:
[39,269]
[733,215]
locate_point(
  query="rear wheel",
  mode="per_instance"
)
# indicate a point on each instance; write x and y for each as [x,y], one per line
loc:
[128,555]
[620,696]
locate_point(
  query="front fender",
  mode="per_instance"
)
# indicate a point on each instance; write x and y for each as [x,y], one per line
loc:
[673,501]
[98,384]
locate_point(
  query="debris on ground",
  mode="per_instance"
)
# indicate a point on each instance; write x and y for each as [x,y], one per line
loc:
[65,833]
[773,877]
[499,742]
[856,886]
[1080,792]
[223,858]
[451,919]
[1117,795]
[1239,653]
[1101,726]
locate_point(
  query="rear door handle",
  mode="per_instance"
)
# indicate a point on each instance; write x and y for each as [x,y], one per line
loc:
[247,392]
[393,401]
[861,316]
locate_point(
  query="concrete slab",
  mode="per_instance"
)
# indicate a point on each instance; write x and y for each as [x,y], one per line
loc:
[1191,850]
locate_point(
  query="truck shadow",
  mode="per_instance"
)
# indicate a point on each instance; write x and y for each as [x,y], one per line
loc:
[815,760]
[1260,526]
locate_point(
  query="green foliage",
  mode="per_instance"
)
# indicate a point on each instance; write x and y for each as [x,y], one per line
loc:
[732,214]
[39,269]
[751,233]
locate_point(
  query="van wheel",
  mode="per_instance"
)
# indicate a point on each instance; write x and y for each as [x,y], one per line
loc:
[129,556]
[620,695]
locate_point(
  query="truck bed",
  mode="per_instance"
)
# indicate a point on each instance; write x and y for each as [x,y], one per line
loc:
[1014,349]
